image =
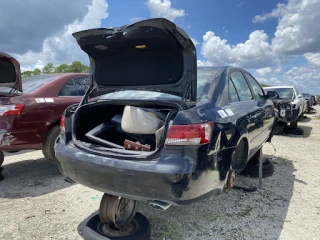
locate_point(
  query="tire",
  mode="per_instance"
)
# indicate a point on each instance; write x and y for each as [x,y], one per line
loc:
[48,145]
[252,170]
[1,158]
[91,230]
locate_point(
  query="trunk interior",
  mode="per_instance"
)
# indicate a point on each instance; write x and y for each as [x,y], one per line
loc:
[126,128]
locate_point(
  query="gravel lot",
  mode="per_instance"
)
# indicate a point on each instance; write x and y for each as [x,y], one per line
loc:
[36,203]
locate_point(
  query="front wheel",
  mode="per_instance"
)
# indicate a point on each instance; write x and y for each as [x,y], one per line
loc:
[50,143]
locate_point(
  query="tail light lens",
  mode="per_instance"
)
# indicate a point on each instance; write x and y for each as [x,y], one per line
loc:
[194,134]
[62,128]
[11,110]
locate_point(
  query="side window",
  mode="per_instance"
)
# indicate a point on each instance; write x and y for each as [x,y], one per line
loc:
[82,83]
[233,95]
[257,90]
[241,86]
[69,89]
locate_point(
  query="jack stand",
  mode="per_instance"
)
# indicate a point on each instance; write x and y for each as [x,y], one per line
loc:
[260,167]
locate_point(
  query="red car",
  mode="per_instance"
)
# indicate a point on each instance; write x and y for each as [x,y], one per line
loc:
[30,109]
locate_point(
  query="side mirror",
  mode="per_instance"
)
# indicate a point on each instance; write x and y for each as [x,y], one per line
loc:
[272,94]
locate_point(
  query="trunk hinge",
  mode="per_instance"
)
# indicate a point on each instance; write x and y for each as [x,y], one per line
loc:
[88,92]
[14,88]
[187,93]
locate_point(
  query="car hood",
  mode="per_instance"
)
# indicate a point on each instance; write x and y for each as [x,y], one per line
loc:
[10,74]
[153,55]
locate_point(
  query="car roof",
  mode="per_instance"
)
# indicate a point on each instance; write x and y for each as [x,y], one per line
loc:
[278,87]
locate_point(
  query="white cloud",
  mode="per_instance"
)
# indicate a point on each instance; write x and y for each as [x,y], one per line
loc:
[61,47]
[254,53]
[195,42]
[298,30]
[263,71]
[162,8]
[313,58]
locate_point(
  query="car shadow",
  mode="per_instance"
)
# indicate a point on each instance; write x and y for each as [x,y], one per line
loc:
[305,119]
[265,209]
[300,131]
[9,154]
[30,178]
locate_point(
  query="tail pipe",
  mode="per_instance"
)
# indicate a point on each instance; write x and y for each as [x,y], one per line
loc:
[159,205]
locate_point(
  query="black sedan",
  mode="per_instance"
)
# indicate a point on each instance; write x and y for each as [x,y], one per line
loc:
[163,131]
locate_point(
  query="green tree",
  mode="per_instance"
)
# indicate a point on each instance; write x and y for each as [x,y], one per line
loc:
[26,74]
[265,85]
[37,71]
[78,67]
[47,69]
[63,68]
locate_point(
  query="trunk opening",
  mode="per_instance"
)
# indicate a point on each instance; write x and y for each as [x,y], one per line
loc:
[124,128]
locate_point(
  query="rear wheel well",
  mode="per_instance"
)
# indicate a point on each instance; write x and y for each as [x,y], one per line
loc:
[240,155]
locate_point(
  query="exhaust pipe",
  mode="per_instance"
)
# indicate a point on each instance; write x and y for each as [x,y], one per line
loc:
[161,206]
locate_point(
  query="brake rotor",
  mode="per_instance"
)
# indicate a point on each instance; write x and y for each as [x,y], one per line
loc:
[230,180]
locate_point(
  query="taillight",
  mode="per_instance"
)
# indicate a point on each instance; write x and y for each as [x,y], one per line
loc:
[11,110]
[194,134]
[62,128]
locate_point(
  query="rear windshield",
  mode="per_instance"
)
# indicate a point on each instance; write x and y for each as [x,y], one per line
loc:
[205,77]
[31,84]
[7,71]
[286,93]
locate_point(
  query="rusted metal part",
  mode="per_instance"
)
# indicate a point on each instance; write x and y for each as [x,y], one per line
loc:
[230,180]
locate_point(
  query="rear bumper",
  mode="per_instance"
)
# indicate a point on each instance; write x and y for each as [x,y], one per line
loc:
[170,179]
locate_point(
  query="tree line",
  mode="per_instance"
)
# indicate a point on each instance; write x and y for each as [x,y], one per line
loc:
[75,67]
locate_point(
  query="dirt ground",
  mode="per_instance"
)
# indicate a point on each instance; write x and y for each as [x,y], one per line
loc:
[36,203]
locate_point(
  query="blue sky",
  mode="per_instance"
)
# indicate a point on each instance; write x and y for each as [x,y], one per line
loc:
[278,41]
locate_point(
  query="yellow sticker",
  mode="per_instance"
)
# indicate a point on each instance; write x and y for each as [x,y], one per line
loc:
[141,46]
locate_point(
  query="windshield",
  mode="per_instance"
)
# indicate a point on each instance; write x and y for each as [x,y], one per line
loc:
[286,93]
[31,84]
[205,77]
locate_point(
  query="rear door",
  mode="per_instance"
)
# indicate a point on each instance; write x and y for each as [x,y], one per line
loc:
[265,108]
[248,105]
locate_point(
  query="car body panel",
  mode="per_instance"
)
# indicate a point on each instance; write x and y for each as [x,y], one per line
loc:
[176,174]
[42,109]
[152,54]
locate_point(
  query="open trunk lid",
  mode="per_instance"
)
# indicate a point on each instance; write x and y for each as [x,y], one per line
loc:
[10,75]
[153,55]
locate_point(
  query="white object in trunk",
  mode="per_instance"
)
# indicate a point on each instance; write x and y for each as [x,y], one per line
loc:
[135,120]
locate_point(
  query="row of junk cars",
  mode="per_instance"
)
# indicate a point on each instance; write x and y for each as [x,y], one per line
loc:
[146,124]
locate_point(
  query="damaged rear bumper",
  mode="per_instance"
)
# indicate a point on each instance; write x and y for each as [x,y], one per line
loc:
[170,178]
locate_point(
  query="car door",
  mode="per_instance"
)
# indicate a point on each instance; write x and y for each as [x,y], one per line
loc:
[265,108]
[248,105]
